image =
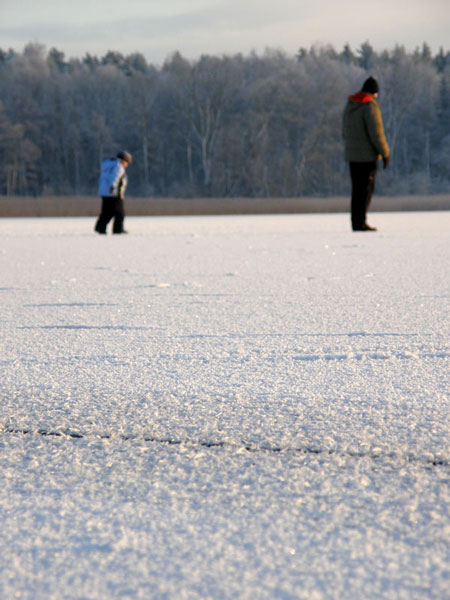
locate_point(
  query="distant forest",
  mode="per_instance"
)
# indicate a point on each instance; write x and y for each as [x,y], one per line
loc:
[220,126]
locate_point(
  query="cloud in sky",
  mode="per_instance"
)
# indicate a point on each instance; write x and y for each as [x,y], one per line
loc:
[156,28]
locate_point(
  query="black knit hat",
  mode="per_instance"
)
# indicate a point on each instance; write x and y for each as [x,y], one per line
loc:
[124,155]
[370,86]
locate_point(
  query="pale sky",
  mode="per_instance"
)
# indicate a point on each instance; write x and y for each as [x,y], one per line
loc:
[157,28]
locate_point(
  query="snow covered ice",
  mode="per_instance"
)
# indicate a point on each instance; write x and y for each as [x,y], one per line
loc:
[225,407]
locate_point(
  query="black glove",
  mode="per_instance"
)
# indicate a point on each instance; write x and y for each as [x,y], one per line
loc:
[385,162]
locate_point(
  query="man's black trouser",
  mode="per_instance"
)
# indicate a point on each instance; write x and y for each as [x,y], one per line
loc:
[363,185]
[112,207]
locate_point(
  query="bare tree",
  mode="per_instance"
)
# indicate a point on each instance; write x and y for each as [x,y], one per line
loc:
[257,125]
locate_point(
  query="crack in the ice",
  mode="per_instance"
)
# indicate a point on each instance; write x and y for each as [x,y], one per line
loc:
[251,448]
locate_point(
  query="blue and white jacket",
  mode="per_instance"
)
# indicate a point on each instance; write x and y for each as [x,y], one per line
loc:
[113,178]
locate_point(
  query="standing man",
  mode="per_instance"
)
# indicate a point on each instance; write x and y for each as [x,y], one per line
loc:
[111,187]
[365,143]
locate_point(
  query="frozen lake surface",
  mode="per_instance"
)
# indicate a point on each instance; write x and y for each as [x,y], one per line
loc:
[225,407]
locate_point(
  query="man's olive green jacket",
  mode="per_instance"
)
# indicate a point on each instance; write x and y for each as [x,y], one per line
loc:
[362,129]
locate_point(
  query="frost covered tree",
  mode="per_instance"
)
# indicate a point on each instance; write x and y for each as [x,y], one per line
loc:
[256,125]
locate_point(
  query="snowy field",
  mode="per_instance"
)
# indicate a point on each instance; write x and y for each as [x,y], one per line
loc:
[225,407]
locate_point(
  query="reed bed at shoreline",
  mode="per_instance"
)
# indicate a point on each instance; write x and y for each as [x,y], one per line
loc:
[85,206]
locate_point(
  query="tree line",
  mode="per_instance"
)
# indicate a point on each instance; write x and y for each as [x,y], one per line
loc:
[264,125]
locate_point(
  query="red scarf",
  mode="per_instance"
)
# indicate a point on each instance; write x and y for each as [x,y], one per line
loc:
[361,98]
